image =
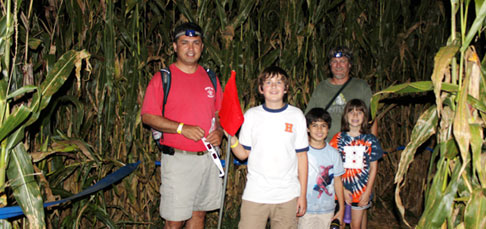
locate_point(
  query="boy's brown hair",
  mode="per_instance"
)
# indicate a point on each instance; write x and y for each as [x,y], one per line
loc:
[271,72]
[361,106]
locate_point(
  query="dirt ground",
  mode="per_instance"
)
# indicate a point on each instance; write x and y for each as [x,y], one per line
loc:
[388,217]
[382,218]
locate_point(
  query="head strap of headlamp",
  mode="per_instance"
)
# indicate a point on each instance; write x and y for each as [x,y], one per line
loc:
[189,33]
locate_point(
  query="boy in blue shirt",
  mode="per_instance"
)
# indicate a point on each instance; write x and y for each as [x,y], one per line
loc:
[324,180]
[273,137]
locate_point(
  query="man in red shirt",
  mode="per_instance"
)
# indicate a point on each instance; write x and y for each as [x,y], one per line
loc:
[190,182]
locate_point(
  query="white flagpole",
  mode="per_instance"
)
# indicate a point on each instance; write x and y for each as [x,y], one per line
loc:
[227,164]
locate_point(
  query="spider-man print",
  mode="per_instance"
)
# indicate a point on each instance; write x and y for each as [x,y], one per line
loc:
[323,180]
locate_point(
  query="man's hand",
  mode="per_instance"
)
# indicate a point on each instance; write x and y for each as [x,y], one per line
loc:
[194,133]
[301,206]
[215,137]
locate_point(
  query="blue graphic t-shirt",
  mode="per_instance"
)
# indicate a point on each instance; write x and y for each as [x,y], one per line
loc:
[357,154]
[324,165]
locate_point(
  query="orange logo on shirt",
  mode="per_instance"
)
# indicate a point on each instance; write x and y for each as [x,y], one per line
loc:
[288,127]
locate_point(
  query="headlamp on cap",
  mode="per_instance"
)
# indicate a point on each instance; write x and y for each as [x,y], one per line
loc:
[338,54]
[189,33]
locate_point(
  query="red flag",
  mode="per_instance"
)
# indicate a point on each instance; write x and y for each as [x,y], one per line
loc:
[230,115]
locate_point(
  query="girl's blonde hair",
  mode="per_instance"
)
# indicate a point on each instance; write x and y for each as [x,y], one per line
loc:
[357,104]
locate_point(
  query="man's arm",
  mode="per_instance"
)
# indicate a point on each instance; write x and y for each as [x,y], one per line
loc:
[302,174]
[374,128]
[367,95]
[168,126]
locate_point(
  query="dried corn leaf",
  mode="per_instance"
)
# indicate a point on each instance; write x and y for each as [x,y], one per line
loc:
[424,128]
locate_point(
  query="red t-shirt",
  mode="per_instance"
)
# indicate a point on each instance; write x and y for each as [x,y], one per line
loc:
[191,100]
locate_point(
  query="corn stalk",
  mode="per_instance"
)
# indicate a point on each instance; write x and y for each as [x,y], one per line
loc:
[456,180]
[92,125]
[16,116]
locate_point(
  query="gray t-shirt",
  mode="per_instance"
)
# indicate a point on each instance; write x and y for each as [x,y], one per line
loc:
[324,166]
[356,89]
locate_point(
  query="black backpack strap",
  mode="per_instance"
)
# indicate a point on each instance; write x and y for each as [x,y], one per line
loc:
[212,77]
[166,80]
[157,135]
[336,95]
[165,74]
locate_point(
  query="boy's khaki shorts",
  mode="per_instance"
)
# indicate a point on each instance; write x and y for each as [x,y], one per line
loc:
[189,183]
[255,215]
[311,221]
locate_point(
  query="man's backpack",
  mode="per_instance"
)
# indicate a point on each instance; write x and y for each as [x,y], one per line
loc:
[166,80]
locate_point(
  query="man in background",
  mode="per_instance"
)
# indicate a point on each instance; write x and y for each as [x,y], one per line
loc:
[331,94]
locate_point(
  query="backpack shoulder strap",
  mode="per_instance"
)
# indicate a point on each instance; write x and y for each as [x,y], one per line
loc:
[165,74]
[337,93]
[212,77]
[166,79]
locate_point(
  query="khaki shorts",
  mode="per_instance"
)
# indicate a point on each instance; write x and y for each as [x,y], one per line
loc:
[314,221]
[255,215]
[189,183]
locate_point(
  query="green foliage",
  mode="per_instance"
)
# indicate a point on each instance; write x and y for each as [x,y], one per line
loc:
[19,110]
[79,129]
[455,195]
[25,187]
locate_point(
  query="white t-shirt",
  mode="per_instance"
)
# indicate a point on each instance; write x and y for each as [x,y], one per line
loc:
[274,137]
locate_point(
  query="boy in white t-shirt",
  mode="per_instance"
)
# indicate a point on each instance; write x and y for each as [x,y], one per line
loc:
[274,139]
[324,179]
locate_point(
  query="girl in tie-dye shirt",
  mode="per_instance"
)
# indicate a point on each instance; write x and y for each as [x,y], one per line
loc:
[360,151]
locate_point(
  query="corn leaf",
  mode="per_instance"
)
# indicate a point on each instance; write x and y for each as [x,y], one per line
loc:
[437,210]
[243,12]
[4,224]
[476,25]
[441,62]
[102,215]
[413,87]
[107,99]
[13,121]
[24,186]
[476,210]
[476,145]
[460,125]
[478,104]
[21,91]
[54,80]
[77,117]
[423,129]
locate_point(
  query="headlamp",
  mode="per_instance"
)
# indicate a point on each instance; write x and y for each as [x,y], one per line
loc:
[189,33]
[338,54]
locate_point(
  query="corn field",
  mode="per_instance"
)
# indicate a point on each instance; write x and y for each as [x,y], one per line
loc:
[73,77]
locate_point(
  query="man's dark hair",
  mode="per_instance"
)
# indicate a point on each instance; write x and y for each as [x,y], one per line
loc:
[317,114]
[341,51]
[357,104]
[187,26]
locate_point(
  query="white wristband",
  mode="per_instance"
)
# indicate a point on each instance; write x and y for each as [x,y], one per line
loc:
[179,128]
